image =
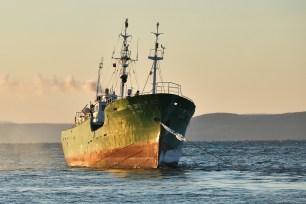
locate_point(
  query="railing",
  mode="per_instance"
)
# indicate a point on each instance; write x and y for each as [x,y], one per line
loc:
[108,98]
[111,98]
[159,54]
[80,117]
[161,87]
[168,87]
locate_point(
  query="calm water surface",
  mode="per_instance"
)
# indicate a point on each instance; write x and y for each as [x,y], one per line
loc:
[256,172]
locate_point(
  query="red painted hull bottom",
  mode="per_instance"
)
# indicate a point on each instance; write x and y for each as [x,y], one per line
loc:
[132,156]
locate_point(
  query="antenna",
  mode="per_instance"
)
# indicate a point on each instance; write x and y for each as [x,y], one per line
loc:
[137,50]
[113,53]
[99,74]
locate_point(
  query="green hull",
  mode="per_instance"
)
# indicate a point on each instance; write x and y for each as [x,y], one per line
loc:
[130,137]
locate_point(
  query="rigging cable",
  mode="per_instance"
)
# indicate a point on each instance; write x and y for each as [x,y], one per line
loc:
[114,72]
[161,78]
[111,77]
[106,76]
[130,77]
[117,79]
[135,75]
[147,79]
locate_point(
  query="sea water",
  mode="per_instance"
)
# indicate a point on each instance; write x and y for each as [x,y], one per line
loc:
[217,172]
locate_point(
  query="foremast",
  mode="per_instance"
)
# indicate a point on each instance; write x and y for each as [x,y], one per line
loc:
[125,57]
[157,55]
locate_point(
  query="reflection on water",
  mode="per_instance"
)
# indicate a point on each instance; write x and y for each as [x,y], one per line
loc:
[273,172]
[144,174]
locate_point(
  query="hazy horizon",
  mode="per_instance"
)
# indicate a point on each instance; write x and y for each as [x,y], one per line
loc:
[244,57]
[195,116]
[208,127]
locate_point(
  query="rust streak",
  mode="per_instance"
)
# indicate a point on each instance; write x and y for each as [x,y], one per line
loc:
[142,162]
[127,158]
[114,153]
[130,156]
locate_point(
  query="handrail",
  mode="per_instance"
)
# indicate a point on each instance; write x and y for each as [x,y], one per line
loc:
[168,88]
[80,117]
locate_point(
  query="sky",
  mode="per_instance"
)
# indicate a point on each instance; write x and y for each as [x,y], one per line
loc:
[236,56]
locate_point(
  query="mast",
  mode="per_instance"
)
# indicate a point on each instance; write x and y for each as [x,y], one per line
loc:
[157,55]
[125,57]
[99,88]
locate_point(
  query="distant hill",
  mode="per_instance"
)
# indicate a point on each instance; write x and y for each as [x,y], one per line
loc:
[31,133]
[226,126]
[209,127]
[5,122]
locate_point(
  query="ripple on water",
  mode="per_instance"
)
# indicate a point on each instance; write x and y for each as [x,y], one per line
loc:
[269,172]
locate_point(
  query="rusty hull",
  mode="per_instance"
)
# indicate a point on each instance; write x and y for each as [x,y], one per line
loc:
[132,156]
[130,137]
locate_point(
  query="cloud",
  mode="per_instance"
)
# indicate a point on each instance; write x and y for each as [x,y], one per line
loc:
[6,83]
[42,85]
[90,86]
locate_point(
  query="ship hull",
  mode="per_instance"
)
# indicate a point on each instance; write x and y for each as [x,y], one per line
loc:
[130,137]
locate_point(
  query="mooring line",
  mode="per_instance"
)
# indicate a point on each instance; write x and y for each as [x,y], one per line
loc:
[180,137]
[206,151]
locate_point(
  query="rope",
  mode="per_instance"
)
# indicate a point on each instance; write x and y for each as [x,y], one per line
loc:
[183,139]
[135,75]
[147,79]
[177,135]
[105,77]
[130,77]
[114,72]
[116,79]
[161,77]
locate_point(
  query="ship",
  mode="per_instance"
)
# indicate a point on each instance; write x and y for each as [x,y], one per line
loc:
[130,130]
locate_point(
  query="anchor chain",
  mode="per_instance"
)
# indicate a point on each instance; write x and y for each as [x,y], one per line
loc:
[180,137]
